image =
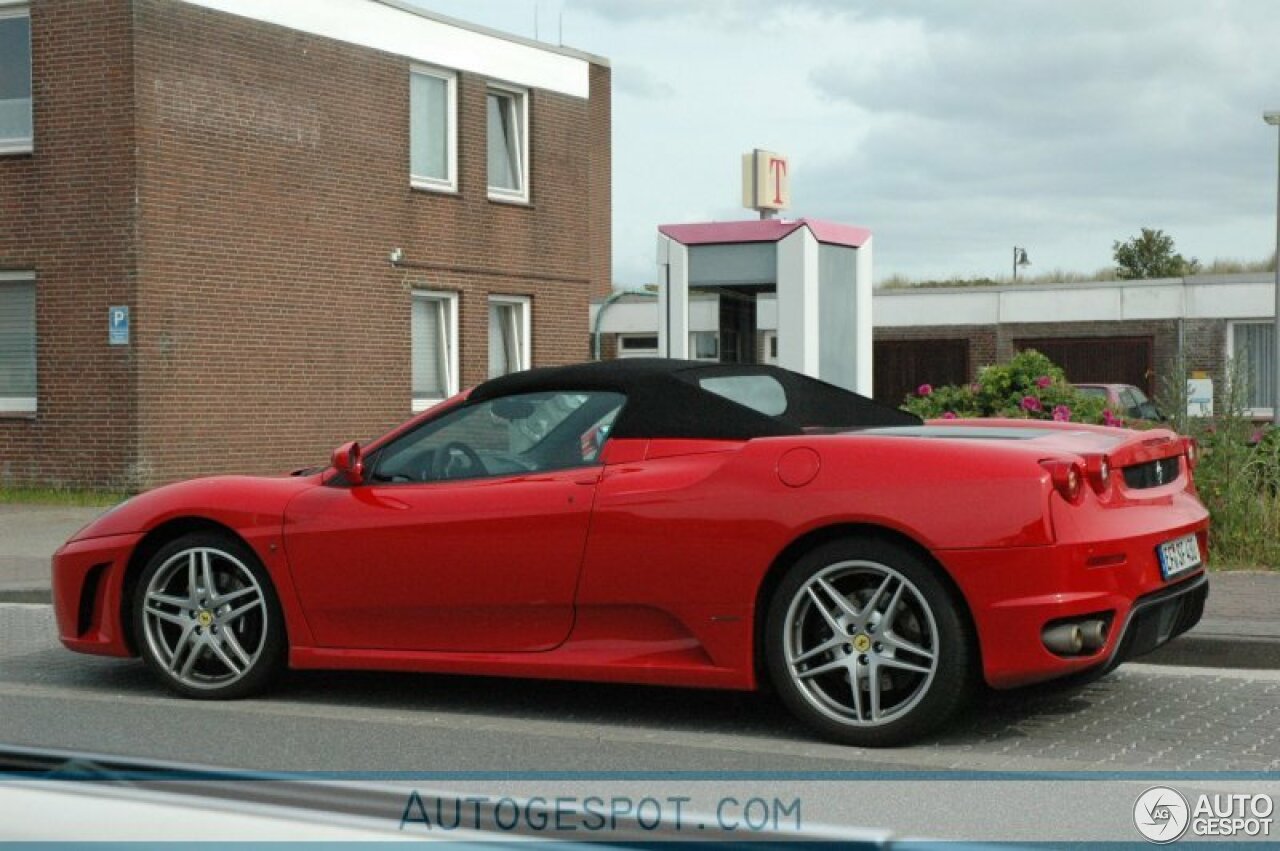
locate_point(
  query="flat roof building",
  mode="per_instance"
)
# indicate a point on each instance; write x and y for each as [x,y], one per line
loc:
[234,234]
[1132,332]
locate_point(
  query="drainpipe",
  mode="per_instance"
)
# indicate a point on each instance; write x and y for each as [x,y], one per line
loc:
[605,305]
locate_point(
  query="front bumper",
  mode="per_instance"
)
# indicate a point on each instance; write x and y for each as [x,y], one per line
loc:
[88,586]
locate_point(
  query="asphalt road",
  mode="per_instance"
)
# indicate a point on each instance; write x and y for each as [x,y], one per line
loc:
[1139,718]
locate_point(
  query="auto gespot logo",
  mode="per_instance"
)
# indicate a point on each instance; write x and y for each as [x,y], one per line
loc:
[1163,815]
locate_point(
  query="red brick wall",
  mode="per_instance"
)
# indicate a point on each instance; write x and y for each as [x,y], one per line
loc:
[600,191]
[272,183]
[67,212]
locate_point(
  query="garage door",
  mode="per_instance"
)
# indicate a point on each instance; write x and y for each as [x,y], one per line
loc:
[903,365]
[1100,360]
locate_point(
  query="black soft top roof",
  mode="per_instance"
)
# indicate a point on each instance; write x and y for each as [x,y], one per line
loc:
[665,399]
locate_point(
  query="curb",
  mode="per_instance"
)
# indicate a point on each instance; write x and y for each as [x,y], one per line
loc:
[1215,650]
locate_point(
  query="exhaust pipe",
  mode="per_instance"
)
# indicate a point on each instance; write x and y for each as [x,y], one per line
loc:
[1094,633]
[1066,639]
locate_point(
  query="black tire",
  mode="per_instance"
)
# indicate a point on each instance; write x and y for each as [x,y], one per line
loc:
[921,708]
[259,632]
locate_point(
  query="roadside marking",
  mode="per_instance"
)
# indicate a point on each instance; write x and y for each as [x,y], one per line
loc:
[4,605]
[1257,674]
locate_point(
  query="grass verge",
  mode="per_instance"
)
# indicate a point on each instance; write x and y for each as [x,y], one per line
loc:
[60,496]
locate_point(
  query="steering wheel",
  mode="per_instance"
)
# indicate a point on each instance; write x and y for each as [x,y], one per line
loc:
[455,460]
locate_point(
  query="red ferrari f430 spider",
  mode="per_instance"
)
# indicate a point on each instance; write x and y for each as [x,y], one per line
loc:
[666,522]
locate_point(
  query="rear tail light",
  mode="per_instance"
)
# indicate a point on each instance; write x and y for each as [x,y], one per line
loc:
[1191,449]
[1068,478]
[1098,471]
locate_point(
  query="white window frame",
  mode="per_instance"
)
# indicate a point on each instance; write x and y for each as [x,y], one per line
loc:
[693,346]
[22,406]
[450,345]
[20,145]
[526,327]
[521,95]
[1255,413]
[769,347]
[647,352]
[435,184]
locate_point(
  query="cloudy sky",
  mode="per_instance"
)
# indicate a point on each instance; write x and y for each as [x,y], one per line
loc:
[953,130]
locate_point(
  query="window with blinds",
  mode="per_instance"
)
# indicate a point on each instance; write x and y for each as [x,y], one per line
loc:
[15,79]
[434,348]
[432,130]
[17,345]
[1253,351]
[508,335]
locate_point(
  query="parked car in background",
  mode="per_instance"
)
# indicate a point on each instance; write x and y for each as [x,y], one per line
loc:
[1125,400]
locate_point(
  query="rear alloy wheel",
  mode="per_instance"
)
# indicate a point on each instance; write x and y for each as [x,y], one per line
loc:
[865,644]
[207,618]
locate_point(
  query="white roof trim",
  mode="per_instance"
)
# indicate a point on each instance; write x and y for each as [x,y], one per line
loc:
[1246,296]
[1198,297]
[404,31]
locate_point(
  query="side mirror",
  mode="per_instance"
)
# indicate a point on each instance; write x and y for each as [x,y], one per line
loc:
[348,460]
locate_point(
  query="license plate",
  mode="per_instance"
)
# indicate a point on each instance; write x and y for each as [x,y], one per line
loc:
[1179,555]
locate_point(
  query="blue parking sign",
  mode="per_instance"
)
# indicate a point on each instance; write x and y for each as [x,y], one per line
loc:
[118,325]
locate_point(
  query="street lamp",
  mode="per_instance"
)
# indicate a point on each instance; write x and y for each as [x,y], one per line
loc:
[1273,118]
[1019,259]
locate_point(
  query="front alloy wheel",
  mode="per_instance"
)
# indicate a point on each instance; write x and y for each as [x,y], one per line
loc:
[865,644]
[207,619]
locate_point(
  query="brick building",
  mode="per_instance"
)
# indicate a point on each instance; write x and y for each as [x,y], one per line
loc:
[1131,332]
[320,216]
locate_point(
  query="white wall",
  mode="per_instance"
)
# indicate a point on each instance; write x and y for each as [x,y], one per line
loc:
[385,27]
[1223,297]
[797,296]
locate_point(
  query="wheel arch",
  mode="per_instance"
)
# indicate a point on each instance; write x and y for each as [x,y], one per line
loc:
[150,544]
[814,538]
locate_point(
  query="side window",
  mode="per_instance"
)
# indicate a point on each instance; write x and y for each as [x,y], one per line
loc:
[1143,407]
[761,393]
[528,433]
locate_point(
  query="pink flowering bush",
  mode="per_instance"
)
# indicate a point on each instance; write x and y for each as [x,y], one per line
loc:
[1029,386]
[1111,419]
